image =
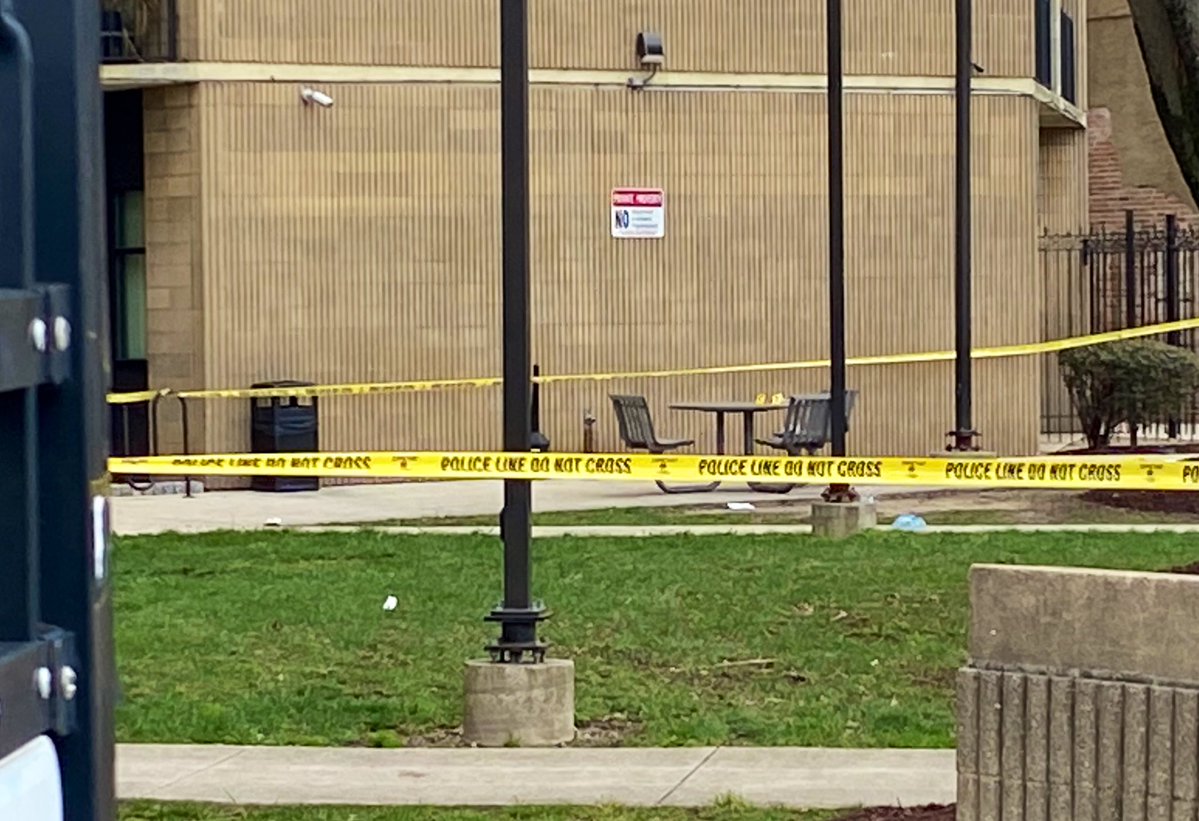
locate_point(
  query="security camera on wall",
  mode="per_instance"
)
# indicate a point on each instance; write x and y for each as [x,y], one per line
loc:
[652,55]
[650,49]
[311,96]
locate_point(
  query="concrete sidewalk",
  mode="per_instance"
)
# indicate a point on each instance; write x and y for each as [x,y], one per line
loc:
[349,504]
[681,777]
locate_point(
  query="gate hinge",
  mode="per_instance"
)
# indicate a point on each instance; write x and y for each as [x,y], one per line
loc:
[56,314]
[35,336]
[38,684]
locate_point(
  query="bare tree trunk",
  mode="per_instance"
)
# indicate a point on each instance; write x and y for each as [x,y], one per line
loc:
[1168,32]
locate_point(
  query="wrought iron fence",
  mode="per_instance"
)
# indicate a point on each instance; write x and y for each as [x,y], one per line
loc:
[139,31]
[1105,281]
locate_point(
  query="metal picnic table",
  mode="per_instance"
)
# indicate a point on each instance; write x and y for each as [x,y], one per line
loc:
[747,410]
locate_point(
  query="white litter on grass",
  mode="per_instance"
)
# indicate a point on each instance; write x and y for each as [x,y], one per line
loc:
[273,522]
[741,506]
[391,603]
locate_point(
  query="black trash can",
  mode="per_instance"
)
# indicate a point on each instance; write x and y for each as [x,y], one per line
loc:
[288,424]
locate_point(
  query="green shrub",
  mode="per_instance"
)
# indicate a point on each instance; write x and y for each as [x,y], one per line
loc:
[1138,382]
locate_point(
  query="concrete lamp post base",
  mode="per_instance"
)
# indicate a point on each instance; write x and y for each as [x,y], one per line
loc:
[519,705]
[840,520]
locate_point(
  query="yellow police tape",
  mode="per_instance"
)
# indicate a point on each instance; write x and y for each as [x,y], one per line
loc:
[1103,472]
[136,398]
[360,389]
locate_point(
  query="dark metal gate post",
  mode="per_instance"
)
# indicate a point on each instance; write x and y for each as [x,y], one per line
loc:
[1173,309]
[518,617]
[964,434]
[836,243]
[56,679]
[1130,270]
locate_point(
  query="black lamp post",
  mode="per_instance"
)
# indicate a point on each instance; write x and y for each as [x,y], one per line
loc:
[964,434]
[836,246]
[518,615]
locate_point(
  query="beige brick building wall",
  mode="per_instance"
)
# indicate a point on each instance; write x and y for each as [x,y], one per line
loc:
[174,253]
[361,243]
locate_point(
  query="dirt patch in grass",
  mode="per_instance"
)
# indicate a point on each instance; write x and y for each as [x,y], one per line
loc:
[1147,501]
[441,737]
[610,731]
[935,678]
[932,812]
[1047,507]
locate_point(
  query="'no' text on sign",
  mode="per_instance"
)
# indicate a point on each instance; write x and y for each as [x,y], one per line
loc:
[638,213]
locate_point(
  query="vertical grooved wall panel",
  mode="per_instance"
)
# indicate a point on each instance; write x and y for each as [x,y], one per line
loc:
[362,244]
[1062,192]
[1062,205]
[350,32]
[1072,748]
[1077,9]
[1004,37]
[191,39]
[914,37]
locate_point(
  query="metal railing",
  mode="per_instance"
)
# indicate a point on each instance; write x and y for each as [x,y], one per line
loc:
[1108,281]
[139,31]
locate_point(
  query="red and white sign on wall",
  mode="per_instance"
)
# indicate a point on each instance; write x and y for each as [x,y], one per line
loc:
[638,213]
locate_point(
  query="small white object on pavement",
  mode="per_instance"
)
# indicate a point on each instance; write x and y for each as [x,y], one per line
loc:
[391,603]
[741,506]
[273,522]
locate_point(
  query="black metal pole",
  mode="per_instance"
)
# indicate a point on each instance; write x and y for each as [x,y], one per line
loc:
[836,226]
[76,592]
[964,433]
[836,242]
[517,617]
[1173,309]
[1130,269]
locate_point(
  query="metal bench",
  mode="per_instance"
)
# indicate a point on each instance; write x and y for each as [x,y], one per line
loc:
[637,432]
[809,424]
[806,429]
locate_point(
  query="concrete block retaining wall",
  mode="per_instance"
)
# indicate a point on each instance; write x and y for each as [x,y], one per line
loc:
[1081,699]
[1062,748]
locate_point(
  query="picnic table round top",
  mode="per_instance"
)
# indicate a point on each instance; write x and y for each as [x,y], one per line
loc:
[726,407]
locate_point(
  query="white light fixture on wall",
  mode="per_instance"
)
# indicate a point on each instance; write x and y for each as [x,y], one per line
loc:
[311,96]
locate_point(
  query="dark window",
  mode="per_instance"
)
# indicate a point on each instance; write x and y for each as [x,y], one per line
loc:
[1044,43]
[1069,59]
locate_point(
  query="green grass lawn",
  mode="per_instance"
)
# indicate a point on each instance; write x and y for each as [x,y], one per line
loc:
[143,811]
[280,638]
